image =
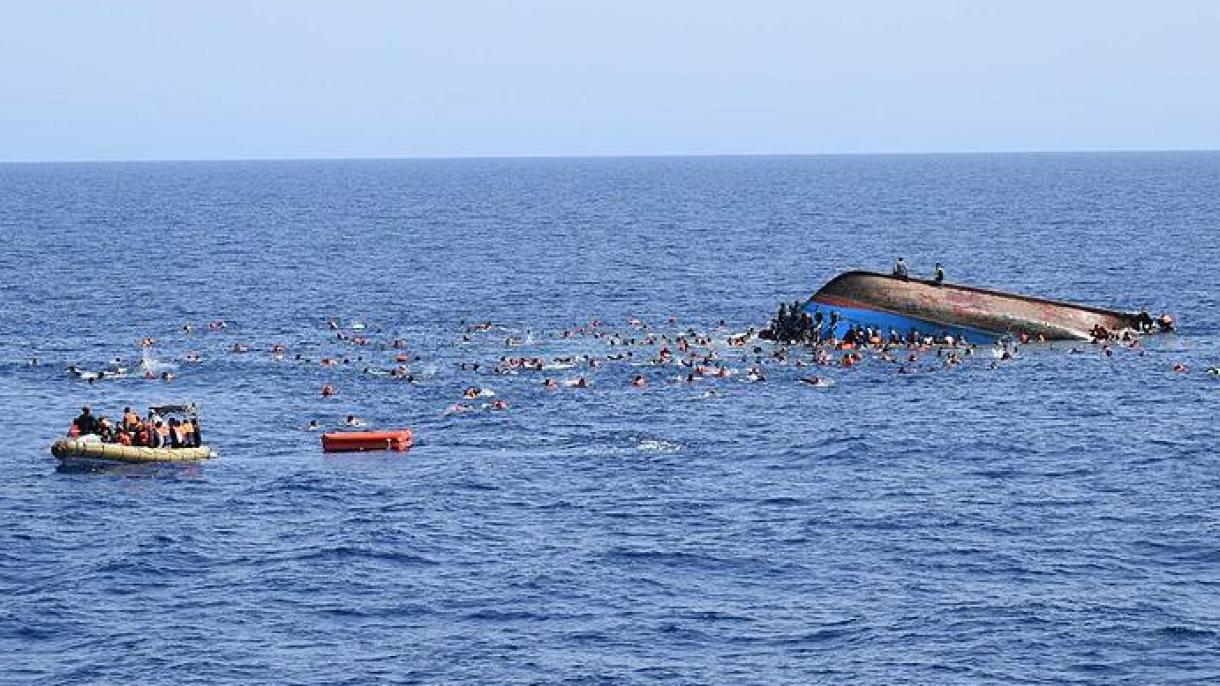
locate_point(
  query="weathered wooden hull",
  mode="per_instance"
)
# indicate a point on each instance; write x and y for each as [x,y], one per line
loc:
[887,302]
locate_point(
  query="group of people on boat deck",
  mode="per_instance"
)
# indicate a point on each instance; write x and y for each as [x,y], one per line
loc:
[152,431]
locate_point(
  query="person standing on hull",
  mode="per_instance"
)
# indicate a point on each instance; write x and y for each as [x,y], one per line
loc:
[900,269]
[938,275]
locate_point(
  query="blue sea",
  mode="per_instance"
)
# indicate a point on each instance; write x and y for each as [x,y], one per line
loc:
[1051,518]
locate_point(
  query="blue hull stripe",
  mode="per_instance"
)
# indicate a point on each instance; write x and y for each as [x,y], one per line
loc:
[887,320]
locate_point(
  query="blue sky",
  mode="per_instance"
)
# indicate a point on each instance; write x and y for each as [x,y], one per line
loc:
[143,79]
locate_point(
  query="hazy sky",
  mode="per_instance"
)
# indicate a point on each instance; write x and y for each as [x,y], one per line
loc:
[152,79]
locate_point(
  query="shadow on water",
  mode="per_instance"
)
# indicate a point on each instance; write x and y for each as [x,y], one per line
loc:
[145,470]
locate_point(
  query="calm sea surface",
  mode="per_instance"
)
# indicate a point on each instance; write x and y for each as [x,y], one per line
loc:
[1053,518]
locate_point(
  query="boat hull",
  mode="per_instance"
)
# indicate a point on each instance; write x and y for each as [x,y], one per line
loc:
[75,449]
[885,302]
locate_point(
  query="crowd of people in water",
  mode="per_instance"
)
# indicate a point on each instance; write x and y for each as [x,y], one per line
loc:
[152,431]
[813,342]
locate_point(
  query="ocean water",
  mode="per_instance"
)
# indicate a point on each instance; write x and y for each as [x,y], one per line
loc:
[1051,518]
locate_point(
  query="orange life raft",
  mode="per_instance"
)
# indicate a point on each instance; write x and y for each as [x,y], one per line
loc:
[358,441]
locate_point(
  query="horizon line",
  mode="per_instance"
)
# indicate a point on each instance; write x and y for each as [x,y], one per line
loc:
[608,156]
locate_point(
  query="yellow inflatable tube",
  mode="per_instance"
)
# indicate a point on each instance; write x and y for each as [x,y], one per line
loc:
[70,448]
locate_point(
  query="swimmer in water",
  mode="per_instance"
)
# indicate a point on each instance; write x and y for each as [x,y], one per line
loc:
[1180,368]
[353,420]
[498,405]
[313,425]
[1214,371]
[458,408]
[639,381]
[580,382]
[550,385]
[328,390]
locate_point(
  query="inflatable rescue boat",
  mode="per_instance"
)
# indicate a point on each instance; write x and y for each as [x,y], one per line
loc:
[90,447]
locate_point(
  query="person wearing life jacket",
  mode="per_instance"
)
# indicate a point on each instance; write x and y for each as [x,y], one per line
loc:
[130,419]
[187,428]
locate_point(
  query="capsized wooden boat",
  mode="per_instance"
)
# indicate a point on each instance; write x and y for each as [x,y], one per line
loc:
[360,441]
[885,302]
[73,448]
